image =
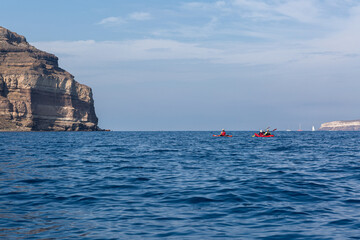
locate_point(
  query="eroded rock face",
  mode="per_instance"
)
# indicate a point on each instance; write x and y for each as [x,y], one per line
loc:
[341,126]
[35,94]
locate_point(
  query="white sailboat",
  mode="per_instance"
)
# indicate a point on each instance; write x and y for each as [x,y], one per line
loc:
[313,128]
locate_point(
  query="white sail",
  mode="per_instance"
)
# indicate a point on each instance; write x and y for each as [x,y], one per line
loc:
[313,128]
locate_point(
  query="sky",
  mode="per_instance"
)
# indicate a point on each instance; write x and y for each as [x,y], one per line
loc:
[203,65]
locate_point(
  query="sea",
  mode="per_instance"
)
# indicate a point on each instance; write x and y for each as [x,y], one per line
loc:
[179,185]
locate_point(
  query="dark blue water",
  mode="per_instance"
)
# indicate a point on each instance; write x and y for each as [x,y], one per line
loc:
[179,185]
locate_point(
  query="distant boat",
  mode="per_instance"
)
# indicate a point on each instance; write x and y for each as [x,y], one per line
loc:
[288,130]
[313,128]
[299,128]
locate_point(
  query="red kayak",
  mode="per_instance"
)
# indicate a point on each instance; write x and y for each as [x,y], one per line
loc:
[257,135]
[222,136]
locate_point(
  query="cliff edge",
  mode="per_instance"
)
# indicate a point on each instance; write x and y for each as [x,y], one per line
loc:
[37,95]
[353,125]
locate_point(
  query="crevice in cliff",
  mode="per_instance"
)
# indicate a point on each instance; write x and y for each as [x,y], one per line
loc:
[4,88]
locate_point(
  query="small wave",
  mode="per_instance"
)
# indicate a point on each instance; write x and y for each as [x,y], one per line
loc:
[352,201]
[244,209]
[190,168]
[165,150]
[299,196]
[210,216]
[310,185]
[90,162]
[173,233]
[60,199]
[140,179]
[51,166]
[342,222]
[226,180]
[227,190]
[35,181]
[191,200]
[195,200]
[168,219]
[87,199]
[282,148]
[129,167]
[131,156]
[254,156]
[229,198]
[123,186]
[41,230]
[119,149]
[282,212]
[257,197]
[287,236]
[152,194]
[275,212]
[105,146]
[82,199]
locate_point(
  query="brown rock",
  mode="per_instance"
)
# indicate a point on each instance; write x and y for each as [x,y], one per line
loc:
[37,95]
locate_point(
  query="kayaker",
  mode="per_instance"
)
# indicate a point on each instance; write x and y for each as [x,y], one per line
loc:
[267,132]
[223,133]
[261,132]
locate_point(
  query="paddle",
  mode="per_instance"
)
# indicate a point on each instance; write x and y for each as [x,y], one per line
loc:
[272,130]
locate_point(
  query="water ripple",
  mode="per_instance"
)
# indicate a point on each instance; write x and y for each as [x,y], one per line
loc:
[179,185]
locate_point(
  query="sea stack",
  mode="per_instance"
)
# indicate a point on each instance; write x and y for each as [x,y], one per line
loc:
[353,125]
[37,95]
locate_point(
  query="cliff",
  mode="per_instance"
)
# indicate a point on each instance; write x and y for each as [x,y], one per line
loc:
[37,95]
[341,126]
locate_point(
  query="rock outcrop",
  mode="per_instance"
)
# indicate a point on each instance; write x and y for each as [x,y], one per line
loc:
[341,126]
[37,95]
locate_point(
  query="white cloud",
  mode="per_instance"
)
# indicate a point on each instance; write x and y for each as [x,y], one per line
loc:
[346,39]
[220,3]
[111,21]
[192,32]
[340,44]
[140,16]
[114,21]
[136,50]
[254,5]
[92,52]
[302,11]
[205,6]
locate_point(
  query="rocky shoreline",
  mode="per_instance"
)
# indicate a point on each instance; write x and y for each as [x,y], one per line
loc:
[36,94]
[353,125]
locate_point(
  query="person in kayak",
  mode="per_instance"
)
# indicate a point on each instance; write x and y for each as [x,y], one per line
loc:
[223,133]
[261,132]
[267,133]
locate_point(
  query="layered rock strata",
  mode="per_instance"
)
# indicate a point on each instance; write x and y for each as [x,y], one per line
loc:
[341,126]
[37,95]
